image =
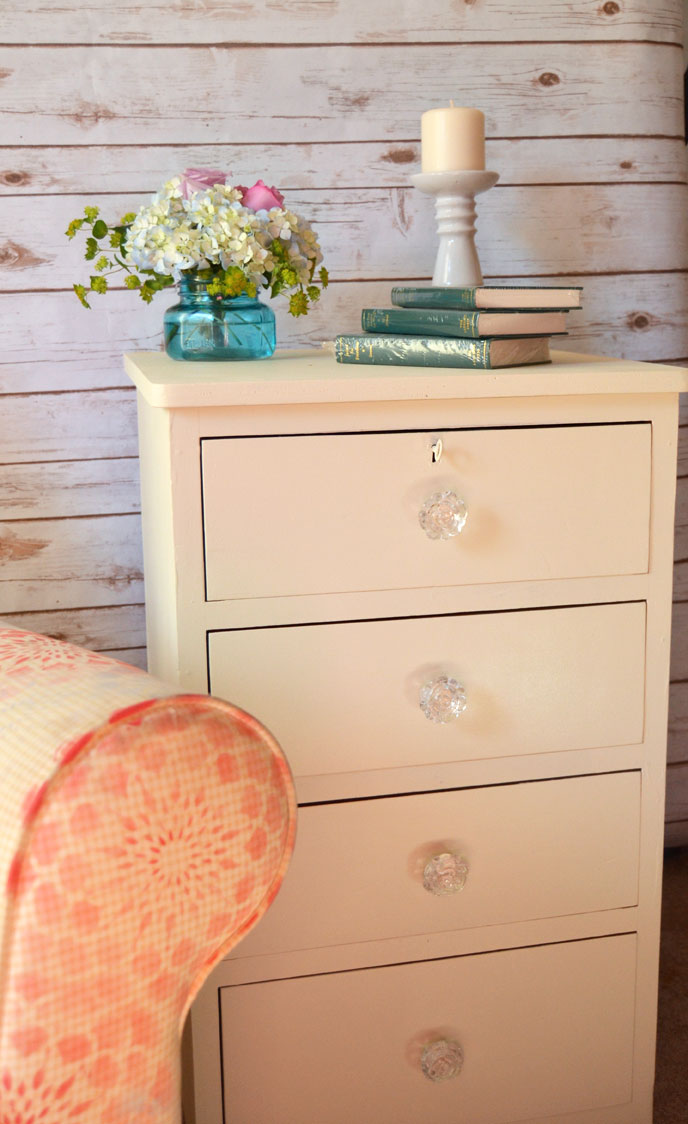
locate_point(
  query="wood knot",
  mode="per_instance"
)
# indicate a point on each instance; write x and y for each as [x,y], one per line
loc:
[399,156]
[9,254]
[626,164]
[87,114]
[611,8]
[13,179]
[639,321]
[13,256]
[549,79]
[13,548]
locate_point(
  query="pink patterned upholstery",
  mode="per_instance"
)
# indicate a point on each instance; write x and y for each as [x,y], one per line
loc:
[142,833]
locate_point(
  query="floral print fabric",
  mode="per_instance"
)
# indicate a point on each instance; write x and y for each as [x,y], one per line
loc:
[136,848]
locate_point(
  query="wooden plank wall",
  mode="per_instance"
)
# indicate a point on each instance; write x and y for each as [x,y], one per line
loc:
[102,102]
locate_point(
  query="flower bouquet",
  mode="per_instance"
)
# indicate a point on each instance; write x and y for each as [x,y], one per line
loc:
[222,243]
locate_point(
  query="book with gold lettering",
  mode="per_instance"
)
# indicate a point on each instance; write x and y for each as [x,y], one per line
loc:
[461,322]
[489,296]
[435,351]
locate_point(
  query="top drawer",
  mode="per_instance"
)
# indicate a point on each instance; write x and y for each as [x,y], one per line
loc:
[334,513]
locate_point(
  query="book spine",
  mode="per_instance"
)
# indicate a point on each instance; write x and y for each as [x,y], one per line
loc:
[422,322]
[410,351]
[405,297]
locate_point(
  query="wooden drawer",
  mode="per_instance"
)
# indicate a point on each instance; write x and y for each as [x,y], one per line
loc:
[345,697]
[337,512]
[541,849]
[543,1030]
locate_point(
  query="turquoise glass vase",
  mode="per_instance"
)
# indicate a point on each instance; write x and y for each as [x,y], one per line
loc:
[204,327]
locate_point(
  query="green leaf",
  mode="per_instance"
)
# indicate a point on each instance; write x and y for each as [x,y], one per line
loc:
[91,213]
[313,292]
[98,284]
[148,291]
[91,249]
[298,304]
[132,282]
[100,229]
[324,277]
[80,291]
[278,250]
[127,219]
[116,239]
[289,276]
[75,224]
[102,263]
[231,282]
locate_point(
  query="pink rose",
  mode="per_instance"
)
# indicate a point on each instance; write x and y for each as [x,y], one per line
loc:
[260,197]
[199,179]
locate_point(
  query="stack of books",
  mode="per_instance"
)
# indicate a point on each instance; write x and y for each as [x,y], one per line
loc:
[483,327]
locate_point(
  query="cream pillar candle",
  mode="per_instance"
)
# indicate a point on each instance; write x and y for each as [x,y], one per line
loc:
[453,139]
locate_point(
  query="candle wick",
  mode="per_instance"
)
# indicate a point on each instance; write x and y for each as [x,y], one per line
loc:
[451,103]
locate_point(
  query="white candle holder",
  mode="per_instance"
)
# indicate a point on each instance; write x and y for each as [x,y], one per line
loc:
[457,263]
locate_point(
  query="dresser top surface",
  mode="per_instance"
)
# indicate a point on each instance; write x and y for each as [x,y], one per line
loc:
[313,375]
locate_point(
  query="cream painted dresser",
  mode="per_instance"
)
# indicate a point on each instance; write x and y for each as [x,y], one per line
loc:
[448,595]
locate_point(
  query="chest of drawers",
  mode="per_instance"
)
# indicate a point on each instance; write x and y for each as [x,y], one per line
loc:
[449,597]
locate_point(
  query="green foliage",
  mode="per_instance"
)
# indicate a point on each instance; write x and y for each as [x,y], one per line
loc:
[231,282]
[298,303]
[111,262]
[80,291]
[153,284]
[284,276]
[74,226]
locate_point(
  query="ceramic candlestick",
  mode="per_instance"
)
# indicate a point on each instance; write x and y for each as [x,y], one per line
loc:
[457,263]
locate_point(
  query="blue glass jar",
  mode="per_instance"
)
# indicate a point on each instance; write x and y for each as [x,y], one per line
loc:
[205,327]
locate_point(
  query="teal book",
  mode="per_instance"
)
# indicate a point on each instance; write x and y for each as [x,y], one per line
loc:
[470,324]
[489,296]
[436,351]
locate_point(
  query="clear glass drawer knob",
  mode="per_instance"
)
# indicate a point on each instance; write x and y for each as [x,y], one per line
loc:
[442,700]
[441,1060]
[443,515]
[445,874]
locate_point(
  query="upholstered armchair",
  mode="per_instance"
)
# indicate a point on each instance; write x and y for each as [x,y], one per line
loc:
[142,833]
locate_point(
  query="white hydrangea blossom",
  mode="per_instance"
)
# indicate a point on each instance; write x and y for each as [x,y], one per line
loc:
[172,234]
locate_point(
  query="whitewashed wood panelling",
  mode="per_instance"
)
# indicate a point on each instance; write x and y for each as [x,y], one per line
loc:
[533,160]
[335,21]
[100,103]
[368,233]
[110,628]
[272,94]
[68,426]
[639,315]
[65,489]
[67,563]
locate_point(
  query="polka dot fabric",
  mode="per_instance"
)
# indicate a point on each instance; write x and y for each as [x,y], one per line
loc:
[142,834]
